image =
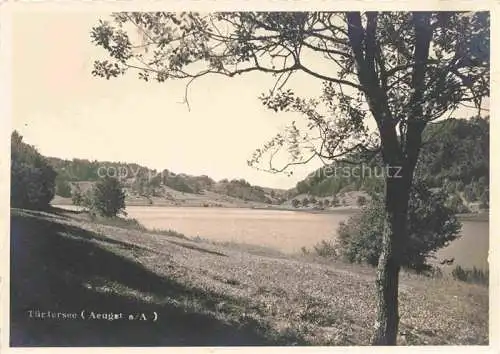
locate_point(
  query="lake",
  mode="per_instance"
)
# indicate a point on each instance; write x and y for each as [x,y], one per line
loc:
[288,231]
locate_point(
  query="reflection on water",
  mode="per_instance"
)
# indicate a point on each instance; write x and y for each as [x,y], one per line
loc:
[288,231]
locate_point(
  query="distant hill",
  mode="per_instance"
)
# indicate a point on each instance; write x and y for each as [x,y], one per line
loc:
[149,186]
[454,156]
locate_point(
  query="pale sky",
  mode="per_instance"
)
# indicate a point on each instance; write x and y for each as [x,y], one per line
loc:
[64,111]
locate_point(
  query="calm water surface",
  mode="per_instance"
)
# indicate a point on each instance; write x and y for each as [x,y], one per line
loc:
[288,231]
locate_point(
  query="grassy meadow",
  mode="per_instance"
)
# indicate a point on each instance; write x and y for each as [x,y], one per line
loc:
[210,294]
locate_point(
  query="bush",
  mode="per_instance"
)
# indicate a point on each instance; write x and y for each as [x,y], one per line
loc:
[470,193]
[431,226]
[361,200]
[32,178]
[325,249]
[107,197]
[456,203]
[63,188]
[473,275]
[76,196]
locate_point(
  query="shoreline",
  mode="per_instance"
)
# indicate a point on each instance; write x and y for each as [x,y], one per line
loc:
[473,217]
[338,210]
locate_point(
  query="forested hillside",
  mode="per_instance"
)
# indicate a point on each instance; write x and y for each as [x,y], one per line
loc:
[143,181]
[454,156]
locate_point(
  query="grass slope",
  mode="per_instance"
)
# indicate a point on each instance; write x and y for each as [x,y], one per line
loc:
[206,294]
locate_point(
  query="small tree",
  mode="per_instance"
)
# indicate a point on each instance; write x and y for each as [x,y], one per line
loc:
[457,205]
[32,178]
[295,203]
[63,188]
[326,203]
[76,196]
[108,198]
[305,202]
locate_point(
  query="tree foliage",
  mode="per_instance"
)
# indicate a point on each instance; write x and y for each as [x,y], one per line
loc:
[361,200]
[456,151]
[32,178]
[382,64]
[107,197]
[63,188]
[76,196]
[431,226]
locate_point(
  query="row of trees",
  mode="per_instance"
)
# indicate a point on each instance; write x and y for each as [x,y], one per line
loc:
[325,203]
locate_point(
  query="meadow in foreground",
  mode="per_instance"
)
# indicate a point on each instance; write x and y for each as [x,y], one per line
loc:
[207,294]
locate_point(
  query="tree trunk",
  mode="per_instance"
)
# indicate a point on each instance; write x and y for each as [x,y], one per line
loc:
[396,206]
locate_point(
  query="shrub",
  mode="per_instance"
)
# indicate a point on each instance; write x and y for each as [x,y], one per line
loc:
[32,178]
[470,193]
[361,200]
[325,249]
[63,188]
[473,275]
[431,226]
[76,196]
[295,203]
[456,203]
[107,197]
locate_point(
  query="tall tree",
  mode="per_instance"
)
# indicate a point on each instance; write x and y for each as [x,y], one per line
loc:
[32,178]
[402,70]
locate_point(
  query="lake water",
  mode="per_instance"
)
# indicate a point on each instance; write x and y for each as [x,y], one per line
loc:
[288,231]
